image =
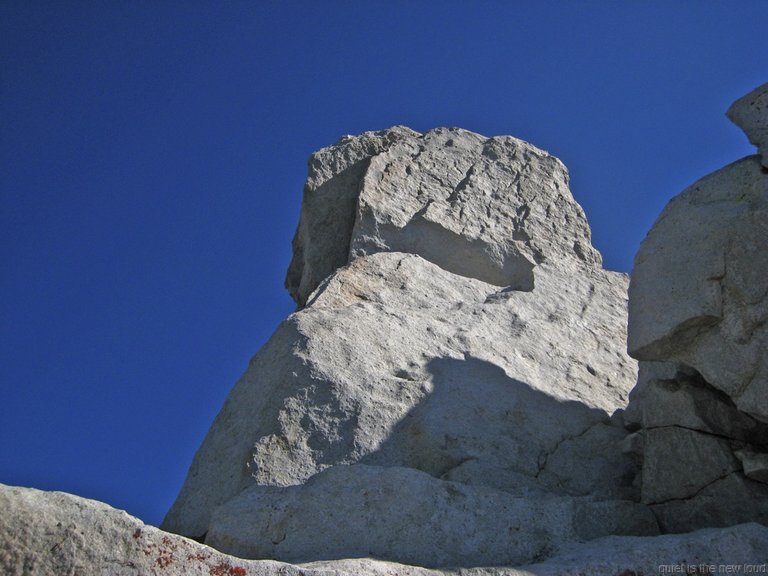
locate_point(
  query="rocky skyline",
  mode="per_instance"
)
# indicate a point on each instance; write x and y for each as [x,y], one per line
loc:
[153,162]
[463,387]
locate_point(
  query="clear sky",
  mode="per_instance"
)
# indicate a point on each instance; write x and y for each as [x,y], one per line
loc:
[152,157]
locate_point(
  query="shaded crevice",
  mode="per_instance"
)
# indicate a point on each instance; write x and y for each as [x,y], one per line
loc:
[670,345]
[454,253]
[697,492]
[728,439]
[454,196]
[542,464]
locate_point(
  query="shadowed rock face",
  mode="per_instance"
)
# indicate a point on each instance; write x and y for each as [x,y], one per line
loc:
[398,513]
[52,533]
[484,208]
[456,329]
[698,311]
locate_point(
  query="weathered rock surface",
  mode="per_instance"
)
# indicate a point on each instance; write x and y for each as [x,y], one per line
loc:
[398,513]
[698,311]
[456,321]
[321,243]
[52,533]
[699,295]
[750,113]
[397,362]
[485,208]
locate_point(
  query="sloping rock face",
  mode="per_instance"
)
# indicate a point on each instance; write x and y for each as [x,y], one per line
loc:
[699,310]
[52,533]
[456,323]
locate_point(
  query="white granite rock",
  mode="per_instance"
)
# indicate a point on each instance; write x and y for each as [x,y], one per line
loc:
[735,550]
[699,290]
[407,516]
[750,113]
[698,311]
[472,336]
[485,208]
[52,533]
[397,362]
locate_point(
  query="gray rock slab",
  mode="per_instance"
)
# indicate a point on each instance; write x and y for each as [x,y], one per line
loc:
[678,463]
[398,362]
[647,373]
[750,113]
[407,516]
[699,290]
[729,500]
[731,550]
[485,208]
[754,464]
[52,533]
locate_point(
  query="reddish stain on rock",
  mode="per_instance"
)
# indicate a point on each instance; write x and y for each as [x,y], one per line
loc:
[225,569]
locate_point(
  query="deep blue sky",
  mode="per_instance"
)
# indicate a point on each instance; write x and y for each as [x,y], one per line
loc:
[152,156]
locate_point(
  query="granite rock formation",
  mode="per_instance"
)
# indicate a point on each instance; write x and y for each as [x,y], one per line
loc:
[451,390]
[484,208]
[698,312]
[398,513]
[53,533]
[455,321]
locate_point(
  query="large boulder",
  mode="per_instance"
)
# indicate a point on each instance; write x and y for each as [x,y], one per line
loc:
[397,362]
[52,533]
[455,320]
[699,290]
[698,317]
[485,208]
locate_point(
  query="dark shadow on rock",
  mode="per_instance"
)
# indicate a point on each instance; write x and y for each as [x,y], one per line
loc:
[478,426]
[332,205]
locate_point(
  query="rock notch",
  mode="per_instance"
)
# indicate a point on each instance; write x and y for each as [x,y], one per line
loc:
[459,348]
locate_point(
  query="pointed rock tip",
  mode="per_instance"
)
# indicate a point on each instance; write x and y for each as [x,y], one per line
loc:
[750,113]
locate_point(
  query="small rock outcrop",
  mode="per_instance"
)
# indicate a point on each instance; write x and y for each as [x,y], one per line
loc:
[458,341]
[698,317]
